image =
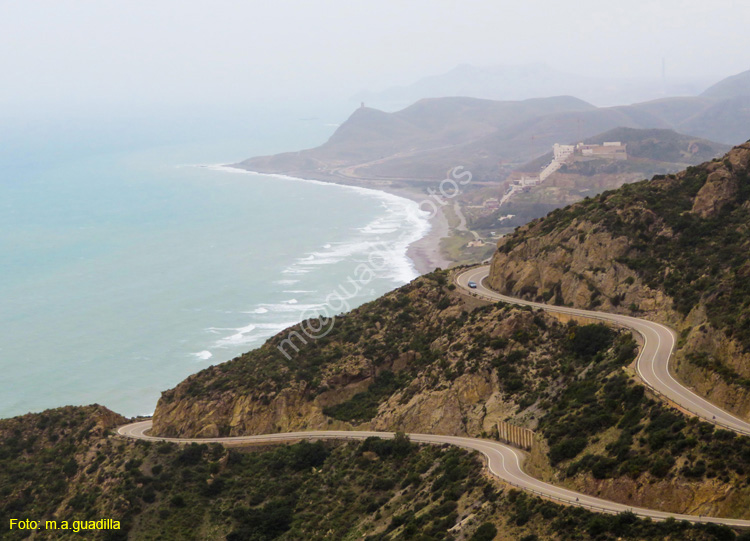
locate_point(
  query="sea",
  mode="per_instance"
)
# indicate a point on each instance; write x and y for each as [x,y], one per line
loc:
[131,258]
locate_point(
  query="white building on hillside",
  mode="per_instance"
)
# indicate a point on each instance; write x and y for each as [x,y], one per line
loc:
[613,150]
[563,152]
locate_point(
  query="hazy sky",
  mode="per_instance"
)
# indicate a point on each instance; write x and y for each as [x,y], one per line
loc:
[70,53]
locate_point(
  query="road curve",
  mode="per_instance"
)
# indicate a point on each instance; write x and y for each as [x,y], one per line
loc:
[652,363]
[502,461]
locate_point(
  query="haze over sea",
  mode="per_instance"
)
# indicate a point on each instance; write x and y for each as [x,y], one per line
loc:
[125,267]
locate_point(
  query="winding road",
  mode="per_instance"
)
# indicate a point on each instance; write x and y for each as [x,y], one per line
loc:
[652,363]
[506,462]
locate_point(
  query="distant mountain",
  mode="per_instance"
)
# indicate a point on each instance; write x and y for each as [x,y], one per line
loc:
[490,138]
[723,120]
[422,141]
[727,121]
[731,87]
[416,143]
[527,81]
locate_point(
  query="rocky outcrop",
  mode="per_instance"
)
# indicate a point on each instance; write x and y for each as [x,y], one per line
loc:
[577,266]
[230,415]
[702,377]
[471,405]
[709,498]
[723,184]
[719,190]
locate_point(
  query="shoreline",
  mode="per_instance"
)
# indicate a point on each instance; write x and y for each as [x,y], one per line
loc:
[424,253]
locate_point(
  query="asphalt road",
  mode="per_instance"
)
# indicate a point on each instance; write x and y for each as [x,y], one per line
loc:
[502,461]
[652,363]
[506,462]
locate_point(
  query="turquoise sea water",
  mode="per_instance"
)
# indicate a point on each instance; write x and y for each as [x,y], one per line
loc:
[126,267]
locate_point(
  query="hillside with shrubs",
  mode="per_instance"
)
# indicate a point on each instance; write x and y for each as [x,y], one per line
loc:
[66,464]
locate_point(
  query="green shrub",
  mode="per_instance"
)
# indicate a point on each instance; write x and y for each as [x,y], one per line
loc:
[567,448]
[485,532]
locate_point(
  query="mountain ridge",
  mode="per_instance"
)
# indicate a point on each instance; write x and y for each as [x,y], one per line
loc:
[509,82]
[420,142]
[731,87]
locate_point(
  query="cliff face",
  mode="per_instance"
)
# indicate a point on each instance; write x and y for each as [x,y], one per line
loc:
[574,265]
[471,404]
[710,498]
[672,249]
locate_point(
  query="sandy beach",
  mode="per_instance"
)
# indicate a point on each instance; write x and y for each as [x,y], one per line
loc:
[426,253]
